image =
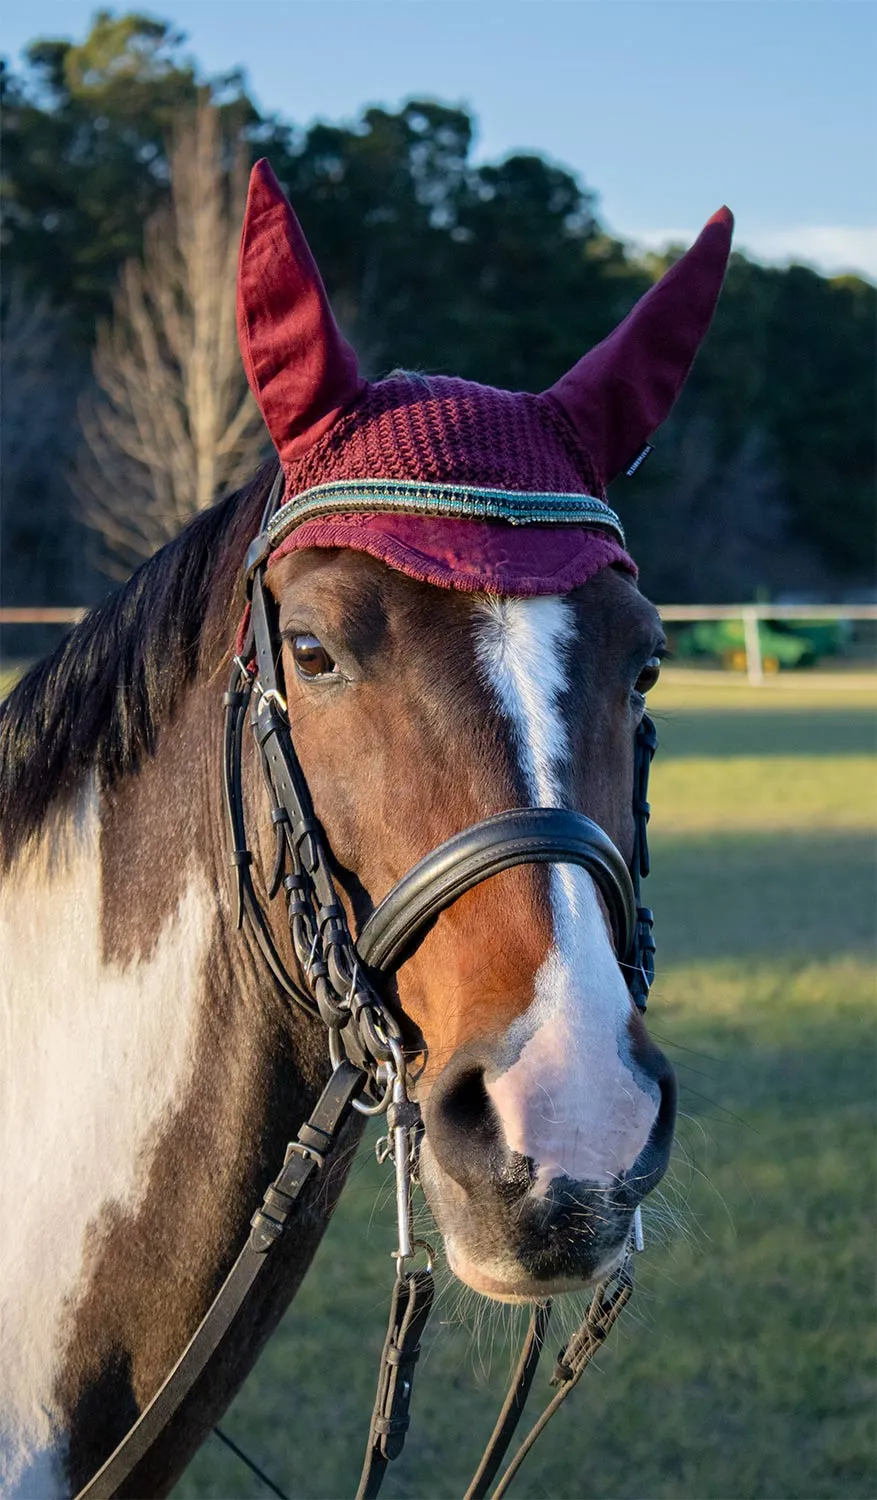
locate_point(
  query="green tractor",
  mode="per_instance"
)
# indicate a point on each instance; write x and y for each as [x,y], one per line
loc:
[784,644]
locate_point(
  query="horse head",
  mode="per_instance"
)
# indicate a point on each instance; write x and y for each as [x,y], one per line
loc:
[447,655]
[461,634]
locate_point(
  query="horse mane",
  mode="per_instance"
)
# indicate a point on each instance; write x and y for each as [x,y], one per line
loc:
[96,704]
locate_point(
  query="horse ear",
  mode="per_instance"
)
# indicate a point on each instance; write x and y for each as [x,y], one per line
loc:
[301,370]
[624,388]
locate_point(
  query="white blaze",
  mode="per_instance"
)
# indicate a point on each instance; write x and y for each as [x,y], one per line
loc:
[572,1098]
[93,1060]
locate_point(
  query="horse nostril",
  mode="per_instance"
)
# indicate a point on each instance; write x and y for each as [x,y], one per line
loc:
[650,1165]
[666,1121]
[461,1122]
[466,1102]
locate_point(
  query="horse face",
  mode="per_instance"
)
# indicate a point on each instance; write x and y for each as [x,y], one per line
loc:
[415,712]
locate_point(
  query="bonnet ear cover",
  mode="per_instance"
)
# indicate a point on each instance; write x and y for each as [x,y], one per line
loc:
[622,390]
[301,370]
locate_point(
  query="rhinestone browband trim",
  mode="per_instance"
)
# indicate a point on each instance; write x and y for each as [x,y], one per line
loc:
[464,502]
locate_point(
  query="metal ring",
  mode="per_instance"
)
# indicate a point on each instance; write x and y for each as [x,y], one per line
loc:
[377,1027]
[376,1109]
[336,1051]
[416,1244]
[336,1057]
[398,1057]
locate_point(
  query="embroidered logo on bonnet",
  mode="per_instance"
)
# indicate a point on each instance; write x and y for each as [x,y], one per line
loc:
[458,484]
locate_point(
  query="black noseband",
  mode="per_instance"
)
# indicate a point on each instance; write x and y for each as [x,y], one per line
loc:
[529,835]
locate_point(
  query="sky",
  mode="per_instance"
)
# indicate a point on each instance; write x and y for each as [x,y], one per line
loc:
[666,108]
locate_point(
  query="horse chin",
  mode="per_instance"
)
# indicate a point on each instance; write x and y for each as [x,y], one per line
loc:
[506,1251]
[505,1281]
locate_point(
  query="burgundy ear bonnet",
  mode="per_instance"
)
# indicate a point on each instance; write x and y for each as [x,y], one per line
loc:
[456,483]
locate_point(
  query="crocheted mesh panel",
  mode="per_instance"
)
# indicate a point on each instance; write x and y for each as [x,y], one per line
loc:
[442,429]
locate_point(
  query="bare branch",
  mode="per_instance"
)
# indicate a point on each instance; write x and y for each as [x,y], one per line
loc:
[171,424]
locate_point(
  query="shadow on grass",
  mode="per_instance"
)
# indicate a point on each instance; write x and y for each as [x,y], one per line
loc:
[686,733]
[778,894]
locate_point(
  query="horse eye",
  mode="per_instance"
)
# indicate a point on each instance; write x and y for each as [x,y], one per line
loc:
[312,659]
[649,674]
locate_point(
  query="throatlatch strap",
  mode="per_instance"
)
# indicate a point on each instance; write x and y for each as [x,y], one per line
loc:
[268,1224]
[410,1307]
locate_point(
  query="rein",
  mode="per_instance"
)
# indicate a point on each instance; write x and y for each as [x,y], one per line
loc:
[343,983]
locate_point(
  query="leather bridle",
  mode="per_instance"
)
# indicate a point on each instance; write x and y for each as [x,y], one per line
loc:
[345,983]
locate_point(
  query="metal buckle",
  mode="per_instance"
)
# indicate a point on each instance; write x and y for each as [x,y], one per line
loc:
[298,1148]
[269,695]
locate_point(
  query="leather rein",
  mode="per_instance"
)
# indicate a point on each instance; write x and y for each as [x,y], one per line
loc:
[344,983]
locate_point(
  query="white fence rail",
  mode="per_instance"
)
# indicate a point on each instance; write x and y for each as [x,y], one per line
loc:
[43,615]
[749,614]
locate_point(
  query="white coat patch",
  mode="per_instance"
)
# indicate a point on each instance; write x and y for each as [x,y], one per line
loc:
[572,1099]
[94,1061]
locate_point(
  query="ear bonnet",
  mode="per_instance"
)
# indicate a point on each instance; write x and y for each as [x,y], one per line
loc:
[455,483]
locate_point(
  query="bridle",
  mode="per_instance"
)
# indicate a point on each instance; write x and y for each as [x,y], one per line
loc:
[344,982]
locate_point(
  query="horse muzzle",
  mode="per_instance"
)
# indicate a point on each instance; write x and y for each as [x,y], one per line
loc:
[522,1213]
[519,1227]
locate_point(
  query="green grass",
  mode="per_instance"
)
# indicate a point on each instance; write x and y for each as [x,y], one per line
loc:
[746,1366]
[9,675]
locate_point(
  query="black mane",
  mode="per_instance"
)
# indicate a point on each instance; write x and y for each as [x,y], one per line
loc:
[96,704]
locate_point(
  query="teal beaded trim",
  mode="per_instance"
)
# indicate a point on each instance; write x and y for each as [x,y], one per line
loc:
[466,502]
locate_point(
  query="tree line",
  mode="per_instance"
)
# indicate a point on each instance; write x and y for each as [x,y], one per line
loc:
[124,406]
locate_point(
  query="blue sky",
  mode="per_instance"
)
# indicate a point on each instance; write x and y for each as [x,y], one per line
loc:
[666,107]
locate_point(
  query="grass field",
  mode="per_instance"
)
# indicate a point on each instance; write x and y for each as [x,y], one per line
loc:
[746,1366]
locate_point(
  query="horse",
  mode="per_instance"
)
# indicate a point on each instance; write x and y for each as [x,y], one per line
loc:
[457,632]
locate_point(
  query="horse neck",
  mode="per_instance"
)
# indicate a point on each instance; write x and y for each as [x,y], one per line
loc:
[155,1078]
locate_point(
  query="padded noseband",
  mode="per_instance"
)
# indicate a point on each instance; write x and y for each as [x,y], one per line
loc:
[528,835]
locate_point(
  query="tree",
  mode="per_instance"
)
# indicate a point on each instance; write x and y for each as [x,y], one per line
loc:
[378,203]
[792,353]
[713,522]
[42,557]
[172,423]
[499,272]
[495,272]
[85,131]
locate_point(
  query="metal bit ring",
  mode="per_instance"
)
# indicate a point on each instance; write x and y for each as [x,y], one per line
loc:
[336,1057]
